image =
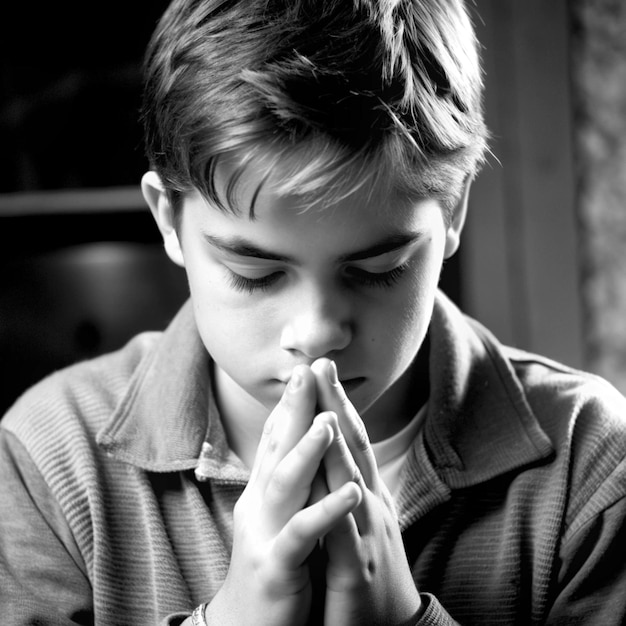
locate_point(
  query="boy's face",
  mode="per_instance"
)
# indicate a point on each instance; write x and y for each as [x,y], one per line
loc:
[354,282]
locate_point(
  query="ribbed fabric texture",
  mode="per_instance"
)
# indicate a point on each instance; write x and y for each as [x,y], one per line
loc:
[142,545]
[512,498]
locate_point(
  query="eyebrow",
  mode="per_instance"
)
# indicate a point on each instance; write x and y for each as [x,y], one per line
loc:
[242,247]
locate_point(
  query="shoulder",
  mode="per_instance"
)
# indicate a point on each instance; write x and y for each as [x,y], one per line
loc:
[567,402]
[73,403]
[552,387]
[50,465]
[585,417]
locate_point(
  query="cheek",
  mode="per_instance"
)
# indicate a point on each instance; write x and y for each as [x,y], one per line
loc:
[407,315]
[232,328]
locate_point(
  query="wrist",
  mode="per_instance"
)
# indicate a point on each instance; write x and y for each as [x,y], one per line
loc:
[198,617]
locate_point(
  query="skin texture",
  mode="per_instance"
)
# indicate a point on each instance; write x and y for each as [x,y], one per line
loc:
[290,305]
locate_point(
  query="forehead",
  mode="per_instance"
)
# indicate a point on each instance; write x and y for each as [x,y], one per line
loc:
[294,226]
[305,178]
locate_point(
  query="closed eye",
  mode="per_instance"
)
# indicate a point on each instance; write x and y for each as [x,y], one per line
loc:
[352,275]
[376,279]
[252,285]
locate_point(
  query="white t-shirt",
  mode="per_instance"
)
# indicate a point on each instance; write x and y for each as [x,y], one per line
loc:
[392,452]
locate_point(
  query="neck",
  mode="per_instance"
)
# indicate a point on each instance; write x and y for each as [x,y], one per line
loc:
[402,400]
[242,416]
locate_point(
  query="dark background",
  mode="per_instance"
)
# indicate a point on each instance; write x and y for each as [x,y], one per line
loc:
[77,281]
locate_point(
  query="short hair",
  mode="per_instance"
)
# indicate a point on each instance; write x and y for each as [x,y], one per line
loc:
[346,92]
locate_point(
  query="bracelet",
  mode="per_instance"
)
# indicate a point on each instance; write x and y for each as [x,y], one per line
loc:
[197,617]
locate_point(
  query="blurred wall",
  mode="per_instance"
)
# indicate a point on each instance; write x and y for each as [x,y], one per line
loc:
[520,248]
[598,53]
[544,255]
[82,267]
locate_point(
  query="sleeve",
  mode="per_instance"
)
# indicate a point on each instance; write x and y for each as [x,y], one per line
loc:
[434,614]
[592,575]
[43,579]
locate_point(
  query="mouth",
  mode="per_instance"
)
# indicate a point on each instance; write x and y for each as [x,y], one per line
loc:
[349,384]
[352,384]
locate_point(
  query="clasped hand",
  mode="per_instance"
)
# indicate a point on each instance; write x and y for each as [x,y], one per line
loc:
[314,483]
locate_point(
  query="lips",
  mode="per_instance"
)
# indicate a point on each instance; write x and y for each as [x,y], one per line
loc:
[352,384]
[349,384]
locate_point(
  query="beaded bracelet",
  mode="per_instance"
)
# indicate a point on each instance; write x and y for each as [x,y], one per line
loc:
[197,617]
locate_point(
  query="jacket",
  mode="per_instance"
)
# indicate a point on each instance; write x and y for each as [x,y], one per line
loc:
[511,501]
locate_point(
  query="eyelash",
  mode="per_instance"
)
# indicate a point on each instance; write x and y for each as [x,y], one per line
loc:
[383,280]
[250,285]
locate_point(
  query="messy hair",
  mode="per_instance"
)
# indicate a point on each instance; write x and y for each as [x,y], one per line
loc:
[348,93]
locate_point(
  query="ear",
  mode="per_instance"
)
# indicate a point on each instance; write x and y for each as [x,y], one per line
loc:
[453,234]
[163,213]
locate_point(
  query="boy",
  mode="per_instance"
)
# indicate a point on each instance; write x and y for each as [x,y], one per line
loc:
[320,436]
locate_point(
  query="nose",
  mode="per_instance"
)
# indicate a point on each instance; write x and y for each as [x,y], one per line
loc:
[318,323]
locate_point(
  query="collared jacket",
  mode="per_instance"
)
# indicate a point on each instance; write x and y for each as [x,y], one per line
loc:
[512,496]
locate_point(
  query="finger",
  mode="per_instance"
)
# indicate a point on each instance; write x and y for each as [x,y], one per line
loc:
[343,549]
[340,467]
[291,483]
[339,464]
[260,451]
[332,397]
[287,423]
[319,488]
[300,535]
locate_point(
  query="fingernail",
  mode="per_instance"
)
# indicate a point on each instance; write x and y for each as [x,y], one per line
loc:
[331,372]
[318,428]
[351,495]
[296,381]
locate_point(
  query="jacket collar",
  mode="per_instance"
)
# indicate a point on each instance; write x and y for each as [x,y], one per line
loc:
[167,411]
[478,425]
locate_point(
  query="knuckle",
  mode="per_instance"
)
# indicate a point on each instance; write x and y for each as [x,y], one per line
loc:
[272,446]
[357,477]
[361,440]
